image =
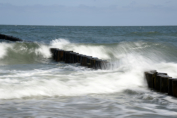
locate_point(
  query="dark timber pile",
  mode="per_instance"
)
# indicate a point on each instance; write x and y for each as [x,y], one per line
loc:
[69,56]
[72,57]
[10,38]
[161,82]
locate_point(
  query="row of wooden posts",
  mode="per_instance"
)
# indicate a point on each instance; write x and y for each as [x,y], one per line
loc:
[10,38]
[161,82]
[60,55]
[69,56]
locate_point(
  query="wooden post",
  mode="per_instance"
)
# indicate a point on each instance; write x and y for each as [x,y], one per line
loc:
[89,64]
[10,38]
[174,87]
[157,81]
[73,56]
[93,63]
[150,75]
[67,57]
[164,82]
[78,58]
[83,60]
[55,54]
[170,88]
[61,55]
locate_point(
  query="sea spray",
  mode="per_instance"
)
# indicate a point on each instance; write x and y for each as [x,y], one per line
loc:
[21,53]
[129,60]
[32,85]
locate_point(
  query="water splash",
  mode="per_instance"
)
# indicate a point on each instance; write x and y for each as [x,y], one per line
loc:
[129,61]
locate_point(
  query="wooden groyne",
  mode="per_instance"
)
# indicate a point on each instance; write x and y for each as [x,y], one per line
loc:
[60,55]
[10,38]
[161,82]
[69,56]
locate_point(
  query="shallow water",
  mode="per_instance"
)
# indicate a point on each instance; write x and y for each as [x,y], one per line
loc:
[33,85]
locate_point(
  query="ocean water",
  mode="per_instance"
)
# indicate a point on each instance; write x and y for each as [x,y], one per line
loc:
[32,85]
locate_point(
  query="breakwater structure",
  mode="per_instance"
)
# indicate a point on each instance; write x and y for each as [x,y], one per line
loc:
[60,55]
[156,81]
[161,82]
[10,38]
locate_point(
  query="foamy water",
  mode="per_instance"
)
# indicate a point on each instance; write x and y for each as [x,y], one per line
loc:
[33,85]
[128,64]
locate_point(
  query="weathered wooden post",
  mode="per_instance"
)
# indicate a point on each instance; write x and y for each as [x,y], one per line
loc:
[78,58]
[55,54]
[67,56]
[73,56]
[174,87]
[170,88]
[10,38]
[83,60]
[164,82]
[157,81]
[98,63]
[89,64]
[93,63]
[150,75]
[61,55]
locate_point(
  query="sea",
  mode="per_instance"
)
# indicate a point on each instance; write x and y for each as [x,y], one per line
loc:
[33,85]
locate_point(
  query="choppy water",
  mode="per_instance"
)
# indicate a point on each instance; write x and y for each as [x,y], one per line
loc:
[32,85]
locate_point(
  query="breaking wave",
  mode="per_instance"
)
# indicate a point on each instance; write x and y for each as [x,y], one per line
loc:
[128,61]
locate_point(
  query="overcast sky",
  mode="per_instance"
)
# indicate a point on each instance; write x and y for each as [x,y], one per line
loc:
[89,12]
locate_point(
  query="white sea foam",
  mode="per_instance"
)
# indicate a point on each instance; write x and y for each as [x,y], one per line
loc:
[59,43]
[70,80]
[129,75]
[98,51]
[3,48]
[14,53]
[44,51]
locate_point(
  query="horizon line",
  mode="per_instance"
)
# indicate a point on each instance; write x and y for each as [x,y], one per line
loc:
[90,25]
